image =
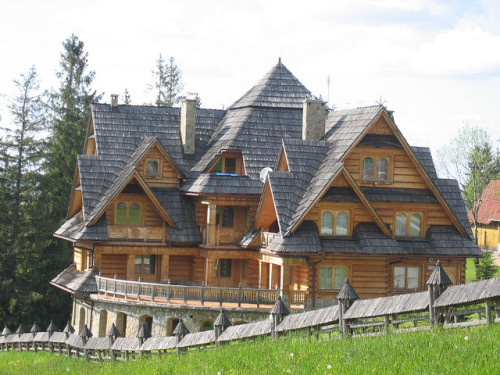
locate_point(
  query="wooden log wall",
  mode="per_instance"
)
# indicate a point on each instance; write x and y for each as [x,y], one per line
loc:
[168,177]
[149,216]
[113,264]
[181,268]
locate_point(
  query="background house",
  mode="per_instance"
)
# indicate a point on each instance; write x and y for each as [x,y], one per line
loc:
[488,217]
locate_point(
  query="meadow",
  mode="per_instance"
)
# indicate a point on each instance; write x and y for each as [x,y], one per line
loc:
[457,351]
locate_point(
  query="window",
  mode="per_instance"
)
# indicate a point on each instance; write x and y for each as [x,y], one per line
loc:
[376,169]
[332,277]
[408,224]
[228,163]
[406,278]
[225,267]
[144,264]
[341,227]
[127,213]
[153,168]
[226,220]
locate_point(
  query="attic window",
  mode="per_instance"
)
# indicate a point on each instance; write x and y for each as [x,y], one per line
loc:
[334,223]
[376,169]
[230,163]
[408,224]
[152,167]
[127,213]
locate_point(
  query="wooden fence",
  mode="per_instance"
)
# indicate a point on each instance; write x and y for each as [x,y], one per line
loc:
[453,307]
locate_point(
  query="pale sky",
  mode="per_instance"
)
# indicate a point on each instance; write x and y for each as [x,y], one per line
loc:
[436,64]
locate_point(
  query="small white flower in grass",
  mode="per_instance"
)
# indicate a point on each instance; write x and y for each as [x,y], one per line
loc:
[288,370]
[291,355]
[329,367]
[466,338]
[67,370]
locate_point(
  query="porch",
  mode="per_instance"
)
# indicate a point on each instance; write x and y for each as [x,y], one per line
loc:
[198,295]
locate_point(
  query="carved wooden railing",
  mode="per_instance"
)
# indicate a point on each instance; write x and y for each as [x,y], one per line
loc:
[218,235]
[136,233]
[157,292]
[267,238]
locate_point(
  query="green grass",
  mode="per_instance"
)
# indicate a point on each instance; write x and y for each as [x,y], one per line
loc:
[470,271]
[458,351]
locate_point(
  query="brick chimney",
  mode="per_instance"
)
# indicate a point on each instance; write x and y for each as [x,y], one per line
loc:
[313,119]
[188,125]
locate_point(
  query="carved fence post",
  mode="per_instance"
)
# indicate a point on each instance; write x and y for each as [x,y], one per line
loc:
[345,298]
[220,325]
[278,312]
[437,283]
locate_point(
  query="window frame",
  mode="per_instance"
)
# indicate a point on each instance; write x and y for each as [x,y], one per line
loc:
[128,204]
[409,214]
[158,161]
[406,277]
[335,213]
[142,264]
[333,276]
[374,178]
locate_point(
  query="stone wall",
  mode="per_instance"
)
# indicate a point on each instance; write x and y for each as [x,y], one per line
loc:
[101,313]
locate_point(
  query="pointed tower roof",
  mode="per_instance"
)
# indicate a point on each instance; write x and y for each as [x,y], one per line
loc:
[144,332]
[279,88]
[85,332]
[279,308]
[6,331]
[35,328]
[20,329]
[347,292]
[222,320]
[113,331]
[52,327]
[439,276]
[69,328]
[181,329]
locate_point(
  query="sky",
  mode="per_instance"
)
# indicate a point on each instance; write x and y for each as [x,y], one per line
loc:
[435,63]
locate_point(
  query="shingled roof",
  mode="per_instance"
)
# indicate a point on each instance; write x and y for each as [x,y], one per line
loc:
[74,281]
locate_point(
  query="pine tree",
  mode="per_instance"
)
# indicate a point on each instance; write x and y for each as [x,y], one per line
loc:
[126,97]
[167,82]
[486,268]
[22,155]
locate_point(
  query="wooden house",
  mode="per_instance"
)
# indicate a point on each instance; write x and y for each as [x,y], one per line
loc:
[274,193]
[488,217]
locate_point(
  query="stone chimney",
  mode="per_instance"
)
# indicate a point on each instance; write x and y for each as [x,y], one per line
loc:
[188,125]
[113,101]
[313,119]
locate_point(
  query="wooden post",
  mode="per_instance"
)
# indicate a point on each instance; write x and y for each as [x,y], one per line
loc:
[152,293]
[488,311]
[168,291]
[220,297]
[257,296]
[139,290]
[386,323]
[202,293]
[432,317]
[184,294]
[105,287]
[239,295]
[114,287]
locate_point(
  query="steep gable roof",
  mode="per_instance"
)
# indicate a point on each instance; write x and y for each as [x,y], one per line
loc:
[279,88]
[489,209]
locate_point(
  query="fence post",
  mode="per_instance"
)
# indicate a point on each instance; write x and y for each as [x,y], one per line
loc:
[203,293]
[114,287]
[106,288]
[152,293]
[220,297]
[168,291]
[386,323]
[184,292]
[257,297]
[239,296]
[487,310]
[139,290]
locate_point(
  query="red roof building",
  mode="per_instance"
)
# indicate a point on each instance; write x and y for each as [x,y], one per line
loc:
[488,233]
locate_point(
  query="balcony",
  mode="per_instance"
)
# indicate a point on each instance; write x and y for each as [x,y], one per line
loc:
[267,238]
[216,235]
[201,295]
[136,233]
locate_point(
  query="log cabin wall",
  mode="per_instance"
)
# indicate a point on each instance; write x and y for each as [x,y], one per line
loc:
[149,217]
[168,176]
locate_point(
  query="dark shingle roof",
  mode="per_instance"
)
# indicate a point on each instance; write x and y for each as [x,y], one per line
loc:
[76,281]
[222,184]
[279,88]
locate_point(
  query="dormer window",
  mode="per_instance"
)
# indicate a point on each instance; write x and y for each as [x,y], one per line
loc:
[334,223]
[376,169]
[127,213]
[152,167]
[230,162]
[408,224]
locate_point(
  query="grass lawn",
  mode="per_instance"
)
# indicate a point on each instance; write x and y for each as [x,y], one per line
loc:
[470,271]
[457,351]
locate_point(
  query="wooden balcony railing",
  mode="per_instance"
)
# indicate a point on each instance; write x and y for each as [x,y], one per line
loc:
[166,293]
[267,237]
[136,233]
[218,235]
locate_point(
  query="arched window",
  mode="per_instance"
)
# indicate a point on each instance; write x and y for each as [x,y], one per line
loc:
[327,223]
[342,223]
[121,213]
[401,224]
[415,225]
[227,217]
[382,169]
[152,168]
[367,168]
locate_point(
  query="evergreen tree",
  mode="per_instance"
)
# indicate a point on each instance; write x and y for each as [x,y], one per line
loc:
[22,154]
[168,82]
[486,268]
[126,97]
